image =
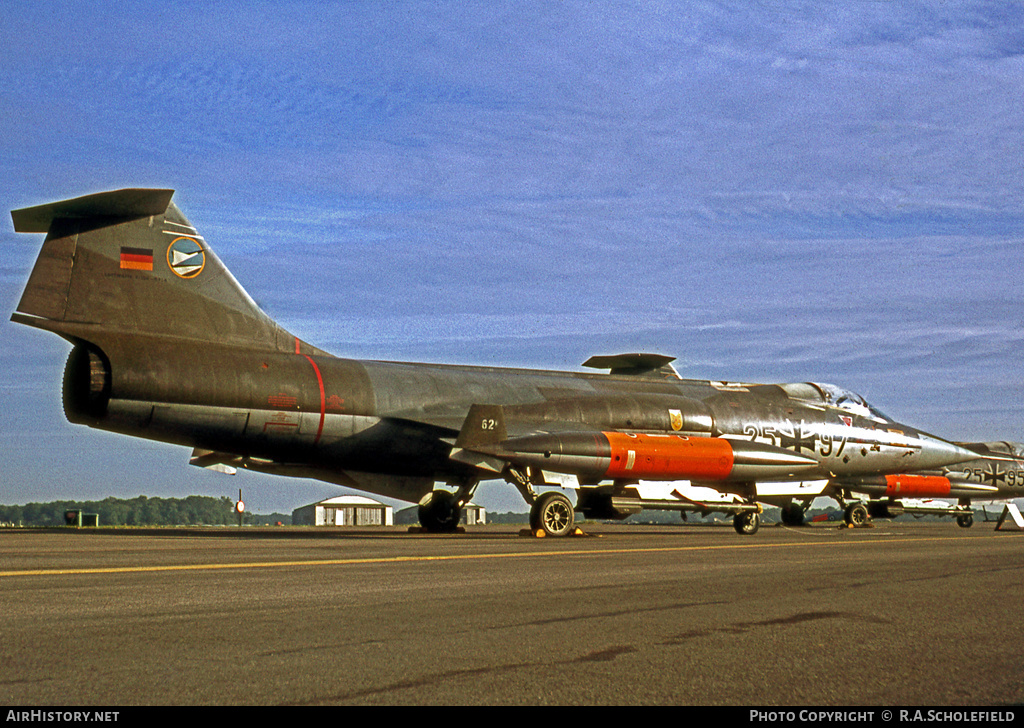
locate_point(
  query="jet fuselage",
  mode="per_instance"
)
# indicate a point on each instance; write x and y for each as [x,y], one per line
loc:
[399,418]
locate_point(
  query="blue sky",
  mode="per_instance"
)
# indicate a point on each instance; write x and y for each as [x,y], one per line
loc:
[767,191]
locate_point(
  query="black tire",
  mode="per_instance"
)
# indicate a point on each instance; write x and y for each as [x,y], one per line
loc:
[746,524]
[857,515]
[438,512]
[965,521]
[553,514]
[793,515]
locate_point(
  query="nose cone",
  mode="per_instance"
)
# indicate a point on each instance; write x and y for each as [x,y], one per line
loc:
[936,453]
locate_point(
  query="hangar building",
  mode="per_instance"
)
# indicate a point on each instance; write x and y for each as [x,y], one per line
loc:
[344,510]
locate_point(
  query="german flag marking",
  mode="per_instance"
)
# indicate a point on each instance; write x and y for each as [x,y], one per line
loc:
[136,259]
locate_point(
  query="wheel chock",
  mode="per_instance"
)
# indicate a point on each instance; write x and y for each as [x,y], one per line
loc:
[540,533]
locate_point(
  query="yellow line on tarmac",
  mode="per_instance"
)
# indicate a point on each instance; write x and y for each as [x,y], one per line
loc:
[456,557]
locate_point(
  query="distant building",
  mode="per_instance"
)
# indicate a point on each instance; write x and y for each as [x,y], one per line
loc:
[473,515]
[344,510]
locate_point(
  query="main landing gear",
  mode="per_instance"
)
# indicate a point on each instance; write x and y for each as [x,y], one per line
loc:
[440,510]
[856,515]
[553,514]
[746,524]
[793,514]
[965,519]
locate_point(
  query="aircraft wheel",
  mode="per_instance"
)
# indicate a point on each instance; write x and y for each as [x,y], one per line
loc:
[856,515]
[746,524]
[553,514]
[438,512]
[793,515]
[965,521]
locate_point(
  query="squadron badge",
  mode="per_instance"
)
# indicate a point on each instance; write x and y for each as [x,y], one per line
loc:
[186,258]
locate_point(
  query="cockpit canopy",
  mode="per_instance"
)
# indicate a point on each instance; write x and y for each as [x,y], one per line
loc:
[830,395]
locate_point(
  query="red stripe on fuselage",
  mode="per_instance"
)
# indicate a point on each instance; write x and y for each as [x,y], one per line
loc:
[323,399]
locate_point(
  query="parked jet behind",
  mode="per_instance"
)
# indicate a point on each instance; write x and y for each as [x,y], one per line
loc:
[997,473]
[166,345]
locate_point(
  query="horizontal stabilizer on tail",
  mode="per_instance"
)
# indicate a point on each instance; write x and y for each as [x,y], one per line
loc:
[127,203]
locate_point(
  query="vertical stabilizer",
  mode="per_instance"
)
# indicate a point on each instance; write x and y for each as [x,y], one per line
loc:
[129,262]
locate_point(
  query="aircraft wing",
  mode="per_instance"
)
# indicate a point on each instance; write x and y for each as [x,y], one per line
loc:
[407,488]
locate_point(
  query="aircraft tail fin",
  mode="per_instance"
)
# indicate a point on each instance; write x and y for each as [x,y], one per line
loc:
[129,262]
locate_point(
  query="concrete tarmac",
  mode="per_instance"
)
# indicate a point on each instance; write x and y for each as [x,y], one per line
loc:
[896,615]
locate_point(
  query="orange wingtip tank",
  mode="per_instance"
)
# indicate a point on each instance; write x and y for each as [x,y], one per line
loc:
[934,486]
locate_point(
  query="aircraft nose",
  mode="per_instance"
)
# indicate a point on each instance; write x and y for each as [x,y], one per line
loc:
[936,453]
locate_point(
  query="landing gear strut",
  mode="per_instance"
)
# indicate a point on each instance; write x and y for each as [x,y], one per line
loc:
[550,512]
[965,520]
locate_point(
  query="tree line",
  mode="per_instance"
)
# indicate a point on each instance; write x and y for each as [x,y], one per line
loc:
[141,511]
